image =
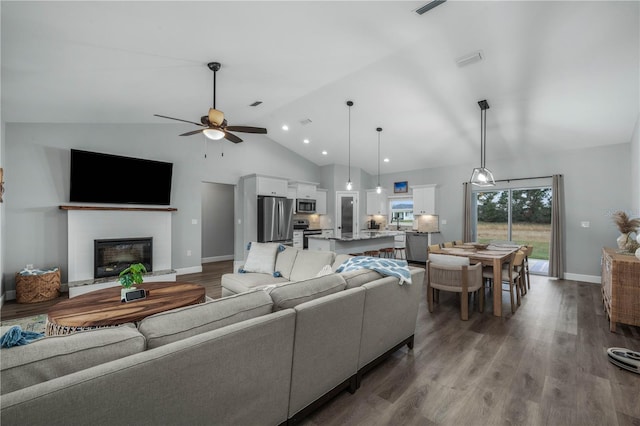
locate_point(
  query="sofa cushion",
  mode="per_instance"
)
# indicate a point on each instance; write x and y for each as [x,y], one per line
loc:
[239,283]
[309,262]
[261,258]
[359,277]
[339,260]
[445,259]
[285,261]
[57,356]
[291,294]
[178,324]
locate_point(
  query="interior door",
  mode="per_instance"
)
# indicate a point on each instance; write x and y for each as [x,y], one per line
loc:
[346,214]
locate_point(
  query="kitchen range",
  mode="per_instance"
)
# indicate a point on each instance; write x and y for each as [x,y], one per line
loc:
[301,233]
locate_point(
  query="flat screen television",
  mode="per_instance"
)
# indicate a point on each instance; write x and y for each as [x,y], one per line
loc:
[114,179]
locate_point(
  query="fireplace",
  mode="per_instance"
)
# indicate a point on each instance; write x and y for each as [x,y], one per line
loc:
[114,255]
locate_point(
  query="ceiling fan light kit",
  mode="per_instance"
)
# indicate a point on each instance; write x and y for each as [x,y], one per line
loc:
[214,125]
[482,176]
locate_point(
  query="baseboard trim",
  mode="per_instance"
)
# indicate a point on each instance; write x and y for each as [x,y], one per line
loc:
[217,258]
[595,279]
[191,270]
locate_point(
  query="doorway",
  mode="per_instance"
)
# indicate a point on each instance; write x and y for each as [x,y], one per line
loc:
[346,214]
[217,221]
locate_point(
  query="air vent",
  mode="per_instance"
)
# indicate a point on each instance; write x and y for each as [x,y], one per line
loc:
[470,58]
[305,121]
[427,7]
[256,103]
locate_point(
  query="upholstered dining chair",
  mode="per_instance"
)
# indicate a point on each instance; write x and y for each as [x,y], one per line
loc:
[512,274]
[528,251]
[448,244]
[455,274]
[433,248]
[458,242]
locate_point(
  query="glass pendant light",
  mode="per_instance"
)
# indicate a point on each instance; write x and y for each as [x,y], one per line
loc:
[349,183]
[379,188]
[482,176]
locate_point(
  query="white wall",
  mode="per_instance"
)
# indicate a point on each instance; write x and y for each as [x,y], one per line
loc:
[597,183]
[37,161]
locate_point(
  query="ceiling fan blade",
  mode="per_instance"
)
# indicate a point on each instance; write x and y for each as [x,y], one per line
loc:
[247,129]
[178,119]
[193,132]
[231,137]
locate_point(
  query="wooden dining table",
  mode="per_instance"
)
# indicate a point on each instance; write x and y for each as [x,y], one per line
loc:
[494,256]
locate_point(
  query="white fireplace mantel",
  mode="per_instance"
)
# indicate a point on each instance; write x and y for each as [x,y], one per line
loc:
[86,224]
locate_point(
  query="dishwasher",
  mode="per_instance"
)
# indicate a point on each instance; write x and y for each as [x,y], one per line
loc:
[417,243]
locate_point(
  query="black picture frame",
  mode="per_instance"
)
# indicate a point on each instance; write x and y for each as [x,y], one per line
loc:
[400,187]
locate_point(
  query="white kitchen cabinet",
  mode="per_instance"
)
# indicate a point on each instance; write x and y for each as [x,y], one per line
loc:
[306,191]
[291,192]
[377,203]
[327,233]
[298,239]
[271,186]
[321,201]
[424,199]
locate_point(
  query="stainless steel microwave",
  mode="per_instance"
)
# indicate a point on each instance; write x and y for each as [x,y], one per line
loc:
[304,205]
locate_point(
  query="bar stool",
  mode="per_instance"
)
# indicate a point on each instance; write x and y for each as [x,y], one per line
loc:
[399,251]
[372,253]
[386,252]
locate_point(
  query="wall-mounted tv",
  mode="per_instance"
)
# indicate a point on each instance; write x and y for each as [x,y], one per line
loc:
[114,179]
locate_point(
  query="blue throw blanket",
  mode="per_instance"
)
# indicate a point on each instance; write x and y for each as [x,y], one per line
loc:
[16,336]
[388,267]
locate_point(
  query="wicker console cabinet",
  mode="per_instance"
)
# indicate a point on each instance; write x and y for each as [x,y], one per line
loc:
[620,288]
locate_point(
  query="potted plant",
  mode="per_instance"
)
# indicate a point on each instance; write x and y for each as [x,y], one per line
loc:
[130,276]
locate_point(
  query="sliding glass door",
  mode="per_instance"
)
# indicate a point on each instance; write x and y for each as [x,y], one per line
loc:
[519,215]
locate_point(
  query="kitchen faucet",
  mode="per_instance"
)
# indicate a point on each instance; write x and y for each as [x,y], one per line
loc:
[397,222]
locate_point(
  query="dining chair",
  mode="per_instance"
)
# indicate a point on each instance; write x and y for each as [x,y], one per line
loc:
[434,248]
[448,244]
[458,242]
[455,274]
[512,274]
[527,252]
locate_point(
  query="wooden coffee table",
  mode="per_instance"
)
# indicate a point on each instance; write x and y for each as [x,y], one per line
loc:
[103,308]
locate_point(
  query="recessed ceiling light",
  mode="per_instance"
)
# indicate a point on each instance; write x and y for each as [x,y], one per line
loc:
[285,127]
[306,141]
[386,160]
[324,152]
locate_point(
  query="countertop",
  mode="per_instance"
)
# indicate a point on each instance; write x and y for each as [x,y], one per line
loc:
[365,235]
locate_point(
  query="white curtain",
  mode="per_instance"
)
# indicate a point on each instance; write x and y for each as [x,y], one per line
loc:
[557,243]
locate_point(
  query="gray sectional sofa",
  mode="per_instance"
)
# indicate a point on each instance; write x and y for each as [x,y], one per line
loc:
[265,356]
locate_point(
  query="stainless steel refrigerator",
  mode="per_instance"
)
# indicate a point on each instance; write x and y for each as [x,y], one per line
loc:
[275,219]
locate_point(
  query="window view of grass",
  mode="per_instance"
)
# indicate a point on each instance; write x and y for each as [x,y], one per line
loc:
[531,234]
[530,218]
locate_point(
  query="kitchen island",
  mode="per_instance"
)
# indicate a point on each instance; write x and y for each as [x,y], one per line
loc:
[356,244]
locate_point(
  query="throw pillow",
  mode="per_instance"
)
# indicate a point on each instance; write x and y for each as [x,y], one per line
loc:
[261,258]
[326,270]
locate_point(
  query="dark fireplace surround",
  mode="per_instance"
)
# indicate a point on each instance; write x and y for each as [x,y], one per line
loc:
[112,256]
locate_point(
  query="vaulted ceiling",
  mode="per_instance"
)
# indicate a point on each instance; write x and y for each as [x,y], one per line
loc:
[557,75]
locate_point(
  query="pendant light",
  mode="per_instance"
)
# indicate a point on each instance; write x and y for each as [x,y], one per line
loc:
[349,183]
[379,188]
[482,176]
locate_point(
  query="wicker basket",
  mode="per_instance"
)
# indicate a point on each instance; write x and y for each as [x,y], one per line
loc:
[37,288]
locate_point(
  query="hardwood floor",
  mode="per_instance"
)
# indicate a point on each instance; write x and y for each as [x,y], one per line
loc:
[544,365]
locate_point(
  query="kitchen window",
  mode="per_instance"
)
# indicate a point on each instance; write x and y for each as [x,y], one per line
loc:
[401,209]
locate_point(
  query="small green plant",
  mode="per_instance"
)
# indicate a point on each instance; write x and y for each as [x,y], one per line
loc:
[132,275]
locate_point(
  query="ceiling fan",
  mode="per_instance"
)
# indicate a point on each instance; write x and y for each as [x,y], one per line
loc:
[214,125]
